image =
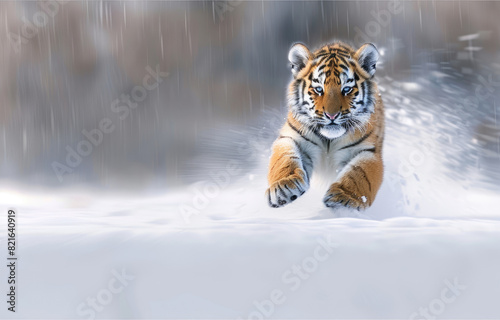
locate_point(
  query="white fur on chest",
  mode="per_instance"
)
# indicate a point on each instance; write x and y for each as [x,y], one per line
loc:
[328,159]
[328,164]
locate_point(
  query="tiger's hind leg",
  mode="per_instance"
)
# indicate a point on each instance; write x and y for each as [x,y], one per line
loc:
[358,184]
[289,171]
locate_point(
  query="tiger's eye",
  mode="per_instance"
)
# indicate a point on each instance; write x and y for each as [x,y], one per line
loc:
[318,90]
[346,90]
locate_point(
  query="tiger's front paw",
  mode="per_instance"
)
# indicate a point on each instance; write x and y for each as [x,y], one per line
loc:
[285,191]
[338,196]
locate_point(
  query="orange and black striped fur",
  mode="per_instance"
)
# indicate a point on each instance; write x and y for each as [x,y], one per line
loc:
[335,127]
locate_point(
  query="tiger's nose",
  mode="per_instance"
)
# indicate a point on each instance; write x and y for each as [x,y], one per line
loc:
[332,117]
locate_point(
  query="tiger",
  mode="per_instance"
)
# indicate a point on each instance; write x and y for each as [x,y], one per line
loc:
[334,127]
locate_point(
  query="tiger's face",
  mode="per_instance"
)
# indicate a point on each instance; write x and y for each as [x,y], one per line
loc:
[331,92]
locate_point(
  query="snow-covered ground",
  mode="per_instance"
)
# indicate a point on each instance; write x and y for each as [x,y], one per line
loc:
[224,254]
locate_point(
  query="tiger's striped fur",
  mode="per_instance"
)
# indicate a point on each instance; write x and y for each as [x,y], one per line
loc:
[336,122]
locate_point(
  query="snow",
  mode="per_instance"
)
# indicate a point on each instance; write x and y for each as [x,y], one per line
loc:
[237,258]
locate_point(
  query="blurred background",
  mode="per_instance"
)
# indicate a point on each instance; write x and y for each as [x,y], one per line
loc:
[64,67]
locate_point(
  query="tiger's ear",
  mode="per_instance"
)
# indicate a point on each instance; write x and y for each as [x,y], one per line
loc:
[298,56]
[367,57]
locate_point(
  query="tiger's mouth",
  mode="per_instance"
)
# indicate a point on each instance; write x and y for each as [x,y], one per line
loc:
[327,123]
[347,121]
[332,124]
[339,120]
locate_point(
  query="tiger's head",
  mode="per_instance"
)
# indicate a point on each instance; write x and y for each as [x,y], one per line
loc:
[331,91]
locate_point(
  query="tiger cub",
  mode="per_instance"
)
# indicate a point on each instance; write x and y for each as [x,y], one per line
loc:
[335,121]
